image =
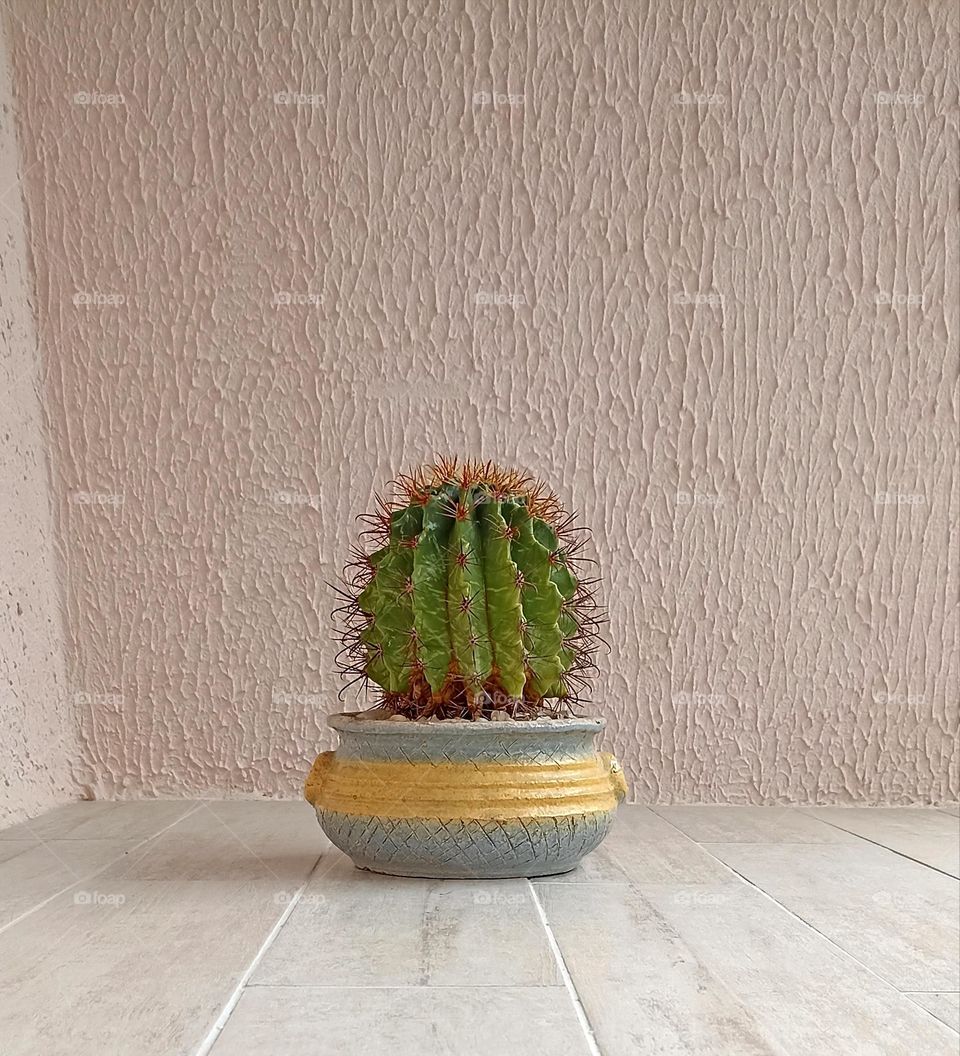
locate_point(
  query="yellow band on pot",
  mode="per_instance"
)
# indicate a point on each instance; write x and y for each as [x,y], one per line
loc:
[468,790]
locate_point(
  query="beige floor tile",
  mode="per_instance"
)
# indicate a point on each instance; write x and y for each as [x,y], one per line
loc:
[102,820]
[641,987]
[946,1007]
[922,833]
[598,867]
[671,951]
[723,971]
[644,848]
[899,918]
[11,848]
[279,841]
[651,851]
[744,824]
[361,929]
[57,823]
[43,870]
[137,967]
[418,1021]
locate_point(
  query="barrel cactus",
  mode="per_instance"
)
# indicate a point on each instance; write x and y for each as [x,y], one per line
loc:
[469,598]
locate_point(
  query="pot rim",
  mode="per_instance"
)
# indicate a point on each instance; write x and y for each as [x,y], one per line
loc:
[348,722]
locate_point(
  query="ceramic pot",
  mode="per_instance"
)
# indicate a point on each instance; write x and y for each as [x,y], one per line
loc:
[466,799]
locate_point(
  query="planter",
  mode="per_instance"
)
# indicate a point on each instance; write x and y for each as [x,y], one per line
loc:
[466,799]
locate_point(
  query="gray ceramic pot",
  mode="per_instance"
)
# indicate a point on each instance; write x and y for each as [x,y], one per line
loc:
[466,799]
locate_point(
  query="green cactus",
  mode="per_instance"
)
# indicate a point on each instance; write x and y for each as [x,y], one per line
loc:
[472,601]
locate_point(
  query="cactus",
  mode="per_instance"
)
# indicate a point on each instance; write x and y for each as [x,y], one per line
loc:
[472,598]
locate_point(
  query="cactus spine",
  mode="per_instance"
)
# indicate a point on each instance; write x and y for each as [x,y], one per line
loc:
[472,600]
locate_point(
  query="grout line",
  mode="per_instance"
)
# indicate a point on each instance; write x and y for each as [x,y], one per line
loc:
[876,843]
[539,987]
[805,843]
[806,923]
[96,872]
[227,1011]
[575,885]
[913,994]
[568,982]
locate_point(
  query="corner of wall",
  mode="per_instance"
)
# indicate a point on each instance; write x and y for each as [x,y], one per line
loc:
[40,737]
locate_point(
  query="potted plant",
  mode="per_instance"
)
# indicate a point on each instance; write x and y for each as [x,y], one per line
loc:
[467,608]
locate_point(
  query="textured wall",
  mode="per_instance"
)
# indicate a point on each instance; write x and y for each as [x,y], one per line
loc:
[696,262]
[38,741]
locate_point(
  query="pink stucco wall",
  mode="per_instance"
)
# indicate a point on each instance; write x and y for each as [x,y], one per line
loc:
[696,263]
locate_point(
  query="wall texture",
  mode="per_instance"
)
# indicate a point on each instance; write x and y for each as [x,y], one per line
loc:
[695,262]
[38,736]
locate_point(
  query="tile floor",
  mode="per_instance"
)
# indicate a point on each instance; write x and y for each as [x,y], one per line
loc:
[234,928]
